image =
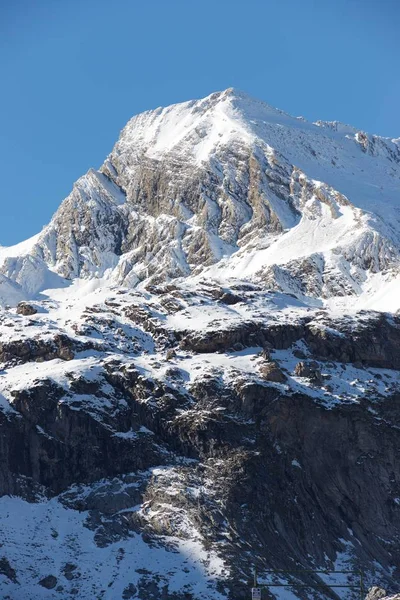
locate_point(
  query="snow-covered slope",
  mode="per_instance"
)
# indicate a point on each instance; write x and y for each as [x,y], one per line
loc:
[48,537]
[234,186]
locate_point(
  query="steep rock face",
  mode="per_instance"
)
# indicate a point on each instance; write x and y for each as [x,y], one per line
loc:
[373,341]
[304,503]
[86,234]
[56,445]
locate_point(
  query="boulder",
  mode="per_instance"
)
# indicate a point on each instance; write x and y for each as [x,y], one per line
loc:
[69,571]
[270,371]
[266,353]
[7,570]
[23,308]
[309,370]
[230,298]
[129,592]
[48,582]
[170,354]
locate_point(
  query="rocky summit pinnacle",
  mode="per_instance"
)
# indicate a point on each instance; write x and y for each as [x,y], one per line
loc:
[200,366]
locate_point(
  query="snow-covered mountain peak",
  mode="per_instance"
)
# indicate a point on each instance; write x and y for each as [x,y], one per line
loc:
[233,186]
[192,129]
[198,127]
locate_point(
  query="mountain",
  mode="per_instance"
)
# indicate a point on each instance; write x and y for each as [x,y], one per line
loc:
[233,188]
[200,365]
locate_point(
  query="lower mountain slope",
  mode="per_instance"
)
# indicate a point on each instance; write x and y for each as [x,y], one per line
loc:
[166,441]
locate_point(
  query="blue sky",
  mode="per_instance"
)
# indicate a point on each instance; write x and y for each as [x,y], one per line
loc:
[73,72]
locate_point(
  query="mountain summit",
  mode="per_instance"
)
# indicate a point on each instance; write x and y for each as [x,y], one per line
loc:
[232,188]
[193,385]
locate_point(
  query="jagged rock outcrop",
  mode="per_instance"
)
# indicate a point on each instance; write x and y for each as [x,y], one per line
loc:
[240,450]
[246,334]
[39,350]
[376,593]
[56,430]
[310,370]
[373,341]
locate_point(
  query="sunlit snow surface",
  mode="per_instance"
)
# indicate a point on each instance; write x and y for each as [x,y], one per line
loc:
[199,128]
[66,309]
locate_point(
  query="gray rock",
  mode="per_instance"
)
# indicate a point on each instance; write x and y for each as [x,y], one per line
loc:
[69,571]
[48,582]
[129,592]
[376,593]
[230,298]
[310,370]
[270,371]
[170,354]
[23,308]
[7,570]
[266,354]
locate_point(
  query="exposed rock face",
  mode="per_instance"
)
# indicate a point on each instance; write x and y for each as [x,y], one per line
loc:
[36,349]
[248,334]
[374,341]
[54,432]
[7,570]
[129,592]
[376,593]
[48,582]
[222,448]
[88,219]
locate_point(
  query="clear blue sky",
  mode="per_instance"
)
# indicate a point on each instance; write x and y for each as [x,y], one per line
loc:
[73,72]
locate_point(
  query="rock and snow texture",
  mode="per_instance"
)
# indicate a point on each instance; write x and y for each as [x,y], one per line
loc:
[172,438]
[188,386]
[236,188]
[48,537]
